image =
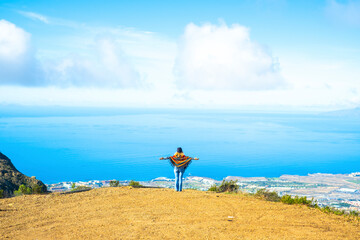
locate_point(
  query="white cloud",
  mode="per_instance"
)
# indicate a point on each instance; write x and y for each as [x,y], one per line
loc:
[348,11]
[222,57]
[35,16]
[104,65]
[14,41]
[17,63]
[218,66]
[109,57]
[94,61]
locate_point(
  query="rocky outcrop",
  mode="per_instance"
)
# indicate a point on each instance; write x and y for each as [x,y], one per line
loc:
[11,178]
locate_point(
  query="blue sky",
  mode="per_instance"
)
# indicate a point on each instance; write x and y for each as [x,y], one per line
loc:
[212,54]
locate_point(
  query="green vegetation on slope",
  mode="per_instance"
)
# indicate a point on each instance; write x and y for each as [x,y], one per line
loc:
[134,184]
[24,190]
[226,186]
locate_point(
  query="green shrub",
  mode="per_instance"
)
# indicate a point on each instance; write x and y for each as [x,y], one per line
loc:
[302,200]
[296,200]
[338,212]
[73,186]
[311,203]
[335,211]
[213,188]
[37,189]
[134,184]
[226,186]
[23,190]
[229,186]
[114,183]
[267,195]
[354,213]
[287,199]
[17,193]
[1,193]
[326,209]
[81,188]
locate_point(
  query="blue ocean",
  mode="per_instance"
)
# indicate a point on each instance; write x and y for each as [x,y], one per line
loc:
[71,145]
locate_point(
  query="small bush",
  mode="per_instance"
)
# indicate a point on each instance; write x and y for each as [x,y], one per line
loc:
[213,188]
[328,209]
[287,199]
[303,200]
[17,193]
[267,195]
[114,183]
[354,213]
[23,190]
[134,184]
[338,212]
[73,186]
[229,186]
[296,200]
[335,211]
[311,203]
[80,188]
[226,186]
[1,193]
[37,189]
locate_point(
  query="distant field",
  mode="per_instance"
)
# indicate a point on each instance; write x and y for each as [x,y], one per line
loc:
[135,213]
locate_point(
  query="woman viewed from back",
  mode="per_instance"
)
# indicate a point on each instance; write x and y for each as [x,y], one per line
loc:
[180,162]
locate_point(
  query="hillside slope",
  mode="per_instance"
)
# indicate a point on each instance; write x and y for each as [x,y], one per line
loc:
[11,178]
[136,213]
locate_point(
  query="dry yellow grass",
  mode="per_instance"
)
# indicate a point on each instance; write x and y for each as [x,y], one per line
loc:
[137,213]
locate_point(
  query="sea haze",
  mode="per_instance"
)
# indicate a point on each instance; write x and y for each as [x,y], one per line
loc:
[126,144]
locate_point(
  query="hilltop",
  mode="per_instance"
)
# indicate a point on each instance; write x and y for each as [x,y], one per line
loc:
[340,191]
[146,213]
[11,178]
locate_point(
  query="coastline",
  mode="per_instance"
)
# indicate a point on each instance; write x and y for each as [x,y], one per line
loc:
[341,191]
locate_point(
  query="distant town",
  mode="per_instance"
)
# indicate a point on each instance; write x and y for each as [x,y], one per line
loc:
[341,191]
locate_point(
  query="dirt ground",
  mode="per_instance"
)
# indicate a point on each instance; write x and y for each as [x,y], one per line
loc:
[143,213]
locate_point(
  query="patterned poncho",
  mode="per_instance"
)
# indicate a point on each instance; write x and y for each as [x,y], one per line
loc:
[180,160]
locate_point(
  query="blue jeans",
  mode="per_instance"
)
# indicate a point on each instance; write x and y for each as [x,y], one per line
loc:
[179,173]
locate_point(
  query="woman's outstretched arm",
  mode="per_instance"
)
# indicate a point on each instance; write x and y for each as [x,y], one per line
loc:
[165,158]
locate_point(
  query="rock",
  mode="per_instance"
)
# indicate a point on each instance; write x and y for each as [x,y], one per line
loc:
[11,178]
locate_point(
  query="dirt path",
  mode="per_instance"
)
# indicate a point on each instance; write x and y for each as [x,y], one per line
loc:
[129,213]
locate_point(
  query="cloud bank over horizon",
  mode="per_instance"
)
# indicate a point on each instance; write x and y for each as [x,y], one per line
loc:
[208,57]
[223,57]
[48,60]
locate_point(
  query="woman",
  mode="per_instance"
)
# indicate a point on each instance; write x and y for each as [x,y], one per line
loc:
[180,162]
